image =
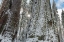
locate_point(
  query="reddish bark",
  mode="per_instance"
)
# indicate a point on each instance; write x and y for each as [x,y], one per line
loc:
[50,22]
[3,21]
[3,8]
[14,36]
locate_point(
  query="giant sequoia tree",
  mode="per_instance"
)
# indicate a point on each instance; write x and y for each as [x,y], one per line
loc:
[9,18]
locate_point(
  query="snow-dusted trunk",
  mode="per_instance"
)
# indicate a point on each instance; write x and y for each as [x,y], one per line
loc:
[36,22]
[12,8]
[56,23]
[60,32]
[41,22]
[25,21]
[3,14]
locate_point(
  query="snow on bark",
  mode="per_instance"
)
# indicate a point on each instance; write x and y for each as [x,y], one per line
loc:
[34,22]
[12,8]
[38,28]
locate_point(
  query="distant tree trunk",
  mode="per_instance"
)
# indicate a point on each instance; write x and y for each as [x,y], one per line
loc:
[11,10]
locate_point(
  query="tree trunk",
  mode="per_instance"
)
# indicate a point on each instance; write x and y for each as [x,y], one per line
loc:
[11,10]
